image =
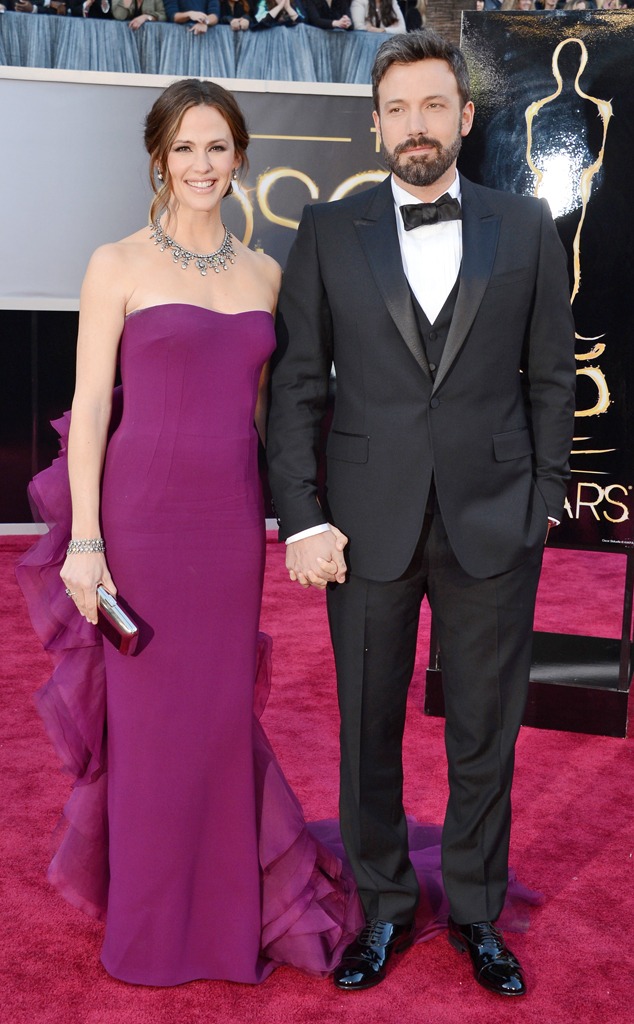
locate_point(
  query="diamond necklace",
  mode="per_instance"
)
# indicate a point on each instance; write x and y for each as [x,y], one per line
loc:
[218,260]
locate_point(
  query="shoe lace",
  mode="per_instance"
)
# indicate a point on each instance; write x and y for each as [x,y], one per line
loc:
[490,940]
[372,933]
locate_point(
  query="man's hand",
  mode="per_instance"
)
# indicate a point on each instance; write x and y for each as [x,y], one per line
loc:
[318,560]
[136,23]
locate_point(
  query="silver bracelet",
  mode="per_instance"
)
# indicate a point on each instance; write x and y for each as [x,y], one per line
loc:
[96,544]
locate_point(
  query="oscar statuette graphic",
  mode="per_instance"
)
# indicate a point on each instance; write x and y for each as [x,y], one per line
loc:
[566,182]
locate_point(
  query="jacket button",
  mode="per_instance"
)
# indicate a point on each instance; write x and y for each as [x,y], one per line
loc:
[432,367]
[432,335]
[435,402]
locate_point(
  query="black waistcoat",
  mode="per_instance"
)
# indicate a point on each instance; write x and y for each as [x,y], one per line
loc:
[434,335]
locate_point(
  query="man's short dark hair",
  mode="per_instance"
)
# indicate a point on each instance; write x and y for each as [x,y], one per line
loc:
[416,46]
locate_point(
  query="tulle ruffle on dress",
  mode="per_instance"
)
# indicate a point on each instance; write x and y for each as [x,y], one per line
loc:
[310,909]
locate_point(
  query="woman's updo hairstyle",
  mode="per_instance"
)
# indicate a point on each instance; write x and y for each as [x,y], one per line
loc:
[163,121]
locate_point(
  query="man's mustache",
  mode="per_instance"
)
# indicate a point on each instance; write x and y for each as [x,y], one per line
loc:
[414,143]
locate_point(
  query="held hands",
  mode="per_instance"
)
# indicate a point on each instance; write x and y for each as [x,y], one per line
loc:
[318,560]
[80,574]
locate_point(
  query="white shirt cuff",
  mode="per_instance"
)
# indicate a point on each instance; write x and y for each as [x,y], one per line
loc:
[310,532]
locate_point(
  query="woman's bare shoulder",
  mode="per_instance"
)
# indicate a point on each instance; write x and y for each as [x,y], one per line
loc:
[114,255]
[113,268]
[267,266]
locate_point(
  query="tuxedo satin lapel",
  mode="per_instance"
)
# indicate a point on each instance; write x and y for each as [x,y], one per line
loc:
[480,229]
[379,239]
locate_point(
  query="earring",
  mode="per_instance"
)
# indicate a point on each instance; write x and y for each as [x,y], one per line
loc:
[234,177]
[159,175]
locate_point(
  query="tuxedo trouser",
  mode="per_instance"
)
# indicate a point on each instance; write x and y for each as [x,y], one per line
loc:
[484,628]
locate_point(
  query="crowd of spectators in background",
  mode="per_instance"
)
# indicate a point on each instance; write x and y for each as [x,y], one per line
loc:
[552,5]
[389,16]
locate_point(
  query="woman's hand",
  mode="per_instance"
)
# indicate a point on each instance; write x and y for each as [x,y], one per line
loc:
[81,573]
[290,10]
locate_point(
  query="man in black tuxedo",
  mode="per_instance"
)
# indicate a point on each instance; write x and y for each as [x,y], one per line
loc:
[450,329]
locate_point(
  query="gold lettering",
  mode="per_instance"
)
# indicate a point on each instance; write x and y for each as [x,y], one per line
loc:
[595,351]
[247,208]
[362,178]
[589,504]
[619,504]
[264,185]
[603,395]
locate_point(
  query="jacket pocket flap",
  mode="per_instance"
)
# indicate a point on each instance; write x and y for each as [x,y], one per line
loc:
[510,277]
[513,444]
[347,447]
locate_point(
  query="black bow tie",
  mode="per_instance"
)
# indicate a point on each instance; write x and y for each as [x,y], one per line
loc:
[444,208]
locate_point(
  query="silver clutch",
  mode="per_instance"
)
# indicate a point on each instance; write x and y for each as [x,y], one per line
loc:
[115,623]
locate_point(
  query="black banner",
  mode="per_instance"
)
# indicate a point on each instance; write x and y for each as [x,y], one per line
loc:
[554,97]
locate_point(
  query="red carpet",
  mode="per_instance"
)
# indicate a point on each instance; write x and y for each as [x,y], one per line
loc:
[573,839]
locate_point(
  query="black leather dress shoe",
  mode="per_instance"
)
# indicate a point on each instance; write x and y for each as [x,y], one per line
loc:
[365,961]
[494,966]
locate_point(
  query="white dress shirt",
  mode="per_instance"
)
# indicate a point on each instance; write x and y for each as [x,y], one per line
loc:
[431,253]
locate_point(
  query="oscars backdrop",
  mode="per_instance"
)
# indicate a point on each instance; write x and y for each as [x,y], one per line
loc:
[76,171]
[554,96]
[554,100]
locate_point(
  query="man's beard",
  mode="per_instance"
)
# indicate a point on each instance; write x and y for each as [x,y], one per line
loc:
[421,169]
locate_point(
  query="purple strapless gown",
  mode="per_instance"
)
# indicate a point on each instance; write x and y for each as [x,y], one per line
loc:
[183,520]
[180,824]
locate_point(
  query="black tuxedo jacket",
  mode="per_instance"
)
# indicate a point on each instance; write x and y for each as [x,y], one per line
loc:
[494,423]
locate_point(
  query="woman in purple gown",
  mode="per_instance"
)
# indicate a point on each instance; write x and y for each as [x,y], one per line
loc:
[209,870]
